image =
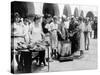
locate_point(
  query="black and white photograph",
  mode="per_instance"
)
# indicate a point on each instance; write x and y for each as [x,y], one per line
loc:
[53,37]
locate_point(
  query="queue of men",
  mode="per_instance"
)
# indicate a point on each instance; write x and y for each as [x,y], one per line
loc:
[32,32]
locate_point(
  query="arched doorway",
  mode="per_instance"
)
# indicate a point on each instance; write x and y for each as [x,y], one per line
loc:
[52,9]
[23,8]
[76,12]
[67,10]
[82,13]
[90,14]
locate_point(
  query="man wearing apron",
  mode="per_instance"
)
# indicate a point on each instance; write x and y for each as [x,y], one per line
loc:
[17,35]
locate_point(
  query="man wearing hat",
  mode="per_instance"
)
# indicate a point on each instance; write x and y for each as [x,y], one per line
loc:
[73,30]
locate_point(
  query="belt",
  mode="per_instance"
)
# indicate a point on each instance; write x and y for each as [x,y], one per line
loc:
[17,36]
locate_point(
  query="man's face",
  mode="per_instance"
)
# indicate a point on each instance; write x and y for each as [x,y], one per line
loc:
[17,19]
[48,20]
[55,20]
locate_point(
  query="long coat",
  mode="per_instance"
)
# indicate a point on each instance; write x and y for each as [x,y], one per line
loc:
[82,40]
[73,29]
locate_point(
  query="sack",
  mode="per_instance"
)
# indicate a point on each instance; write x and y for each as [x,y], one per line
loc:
[60,38]
[66,49]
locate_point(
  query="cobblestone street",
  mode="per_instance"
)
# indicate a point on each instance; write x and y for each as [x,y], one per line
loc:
[88,61]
